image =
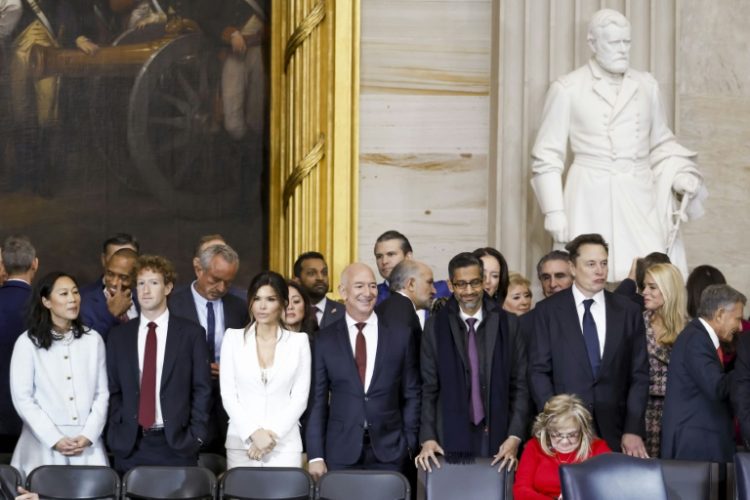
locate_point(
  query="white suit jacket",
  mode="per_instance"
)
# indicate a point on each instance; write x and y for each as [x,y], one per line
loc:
[276,405]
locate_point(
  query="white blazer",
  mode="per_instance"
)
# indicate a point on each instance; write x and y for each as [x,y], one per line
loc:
[276,405]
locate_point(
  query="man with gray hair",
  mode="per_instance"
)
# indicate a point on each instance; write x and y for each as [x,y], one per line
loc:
[21,264]
[412,290]
[553,271]
[697,422]
[207,302]
[628,170]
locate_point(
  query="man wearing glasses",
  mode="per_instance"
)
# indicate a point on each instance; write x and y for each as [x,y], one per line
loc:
[473,363]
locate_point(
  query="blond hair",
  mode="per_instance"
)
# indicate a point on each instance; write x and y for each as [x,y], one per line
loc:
[565,408]
[673,313]
[518,279]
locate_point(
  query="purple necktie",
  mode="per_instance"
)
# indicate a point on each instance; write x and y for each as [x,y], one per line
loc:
[477,408]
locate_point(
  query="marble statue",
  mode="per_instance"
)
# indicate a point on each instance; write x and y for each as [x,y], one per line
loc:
[630,180]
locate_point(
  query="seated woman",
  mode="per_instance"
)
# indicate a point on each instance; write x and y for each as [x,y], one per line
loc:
[563,434]
[265,381]
[299,315]
[664,316]
[58,381]
[518,299]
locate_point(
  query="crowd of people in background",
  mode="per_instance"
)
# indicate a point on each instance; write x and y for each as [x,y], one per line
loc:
[398,374]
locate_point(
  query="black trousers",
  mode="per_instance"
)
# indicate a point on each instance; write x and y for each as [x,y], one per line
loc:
[151,448]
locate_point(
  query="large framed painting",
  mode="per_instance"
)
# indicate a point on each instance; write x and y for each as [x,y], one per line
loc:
[140,116]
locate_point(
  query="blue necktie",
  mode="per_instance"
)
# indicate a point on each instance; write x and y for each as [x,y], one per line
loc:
[591,337]
[211,332]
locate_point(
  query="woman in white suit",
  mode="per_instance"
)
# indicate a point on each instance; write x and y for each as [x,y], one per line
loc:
[265,381]
[58,381]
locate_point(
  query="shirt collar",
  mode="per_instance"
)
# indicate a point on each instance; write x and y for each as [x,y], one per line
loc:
[200,300]
[579,297]
[322,304]
[479,315]
[371,321]
[162,321]
[711,332]
[18,279]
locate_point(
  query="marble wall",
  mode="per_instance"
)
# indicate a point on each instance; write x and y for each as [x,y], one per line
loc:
[424,133]
[451,92]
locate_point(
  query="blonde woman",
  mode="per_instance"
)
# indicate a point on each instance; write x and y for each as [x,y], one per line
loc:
[518,299]
[665,315]
[563,434]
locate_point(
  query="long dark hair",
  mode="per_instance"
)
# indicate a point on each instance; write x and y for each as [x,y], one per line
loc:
[699,280]
[275,281]
[39,318]
[309,321]
[502,287]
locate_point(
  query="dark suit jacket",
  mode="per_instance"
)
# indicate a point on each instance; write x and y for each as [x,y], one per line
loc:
[334,311]
[94,312]
[441,289]
[14,298]
[340,407]
[185,387]
[559,363]
[628,288]
[182,304]
[741,385]
[697,421]
[498,326]
[398,310]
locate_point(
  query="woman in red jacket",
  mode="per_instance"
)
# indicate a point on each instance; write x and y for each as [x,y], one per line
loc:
[563,434]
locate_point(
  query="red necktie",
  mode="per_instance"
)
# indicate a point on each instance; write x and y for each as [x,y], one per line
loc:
[360,352]
[720,353]
[147,401]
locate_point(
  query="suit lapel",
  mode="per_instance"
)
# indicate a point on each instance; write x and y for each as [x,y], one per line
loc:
[379,354]
[491,328]
[458,334]
[131,351]
[346,348]
[627,91]
[171,349]
[615,324]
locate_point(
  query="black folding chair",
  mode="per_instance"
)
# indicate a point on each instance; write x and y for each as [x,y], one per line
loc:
[477,481]
[266,483]
[157,483]
[10,479]
[363,485]
[613,476]
[74,482]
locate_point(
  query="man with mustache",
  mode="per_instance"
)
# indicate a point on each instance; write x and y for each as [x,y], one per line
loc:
[590,342]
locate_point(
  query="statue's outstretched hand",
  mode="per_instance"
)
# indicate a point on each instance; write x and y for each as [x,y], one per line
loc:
[556,224]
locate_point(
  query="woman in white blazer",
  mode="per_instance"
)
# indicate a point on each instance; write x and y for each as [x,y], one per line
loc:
[265,381]
[58,381]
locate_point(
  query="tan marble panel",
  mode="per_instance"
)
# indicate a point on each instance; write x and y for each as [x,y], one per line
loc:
[713,83]
[437,200]
[433,47]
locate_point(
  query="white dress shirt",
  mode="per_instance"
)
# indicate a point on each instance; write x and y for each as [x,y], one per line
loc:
[162,325]
[598,312]
[479,316]
[201,306]
[711,332]
[370,331]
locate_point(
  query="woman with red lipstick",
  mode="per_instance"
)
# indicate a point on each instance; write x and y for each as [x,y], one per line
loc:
[665,303]
[58,381]
[265,381]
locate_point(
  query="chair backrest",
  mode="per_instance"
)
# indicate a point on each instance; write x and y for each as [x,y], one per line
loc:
[10,479]
[214,462]
[689,480]
[74,482]
[156,482]
[742,475]
[363,485]
[477,481]
[613,476]
[267,483]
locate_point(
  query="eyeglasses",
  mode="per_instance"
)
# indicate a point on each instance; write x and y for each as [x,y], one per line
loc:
[567,436]
[462,285]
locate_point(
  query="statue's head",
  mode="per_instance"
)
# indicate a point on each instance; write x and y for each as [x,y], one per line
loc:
[609,39]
